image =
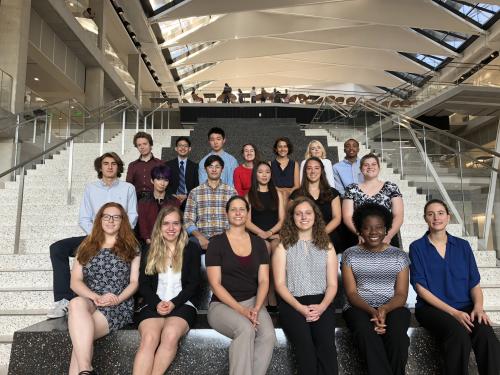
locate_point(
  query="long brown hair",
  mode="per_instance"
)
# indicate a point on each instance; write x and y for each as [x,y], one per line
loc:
[126,245]
[325,192]
[156,261]
[253,193]
[290,233]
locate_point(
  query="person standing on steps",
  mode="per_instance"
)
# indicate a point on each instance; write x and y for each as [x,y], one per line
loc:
[184,171]
[204,215]
[108,188]
[242,176]
[315,148]
[347,172]
[139,171]
[444,274]
[217,139]
[285,171]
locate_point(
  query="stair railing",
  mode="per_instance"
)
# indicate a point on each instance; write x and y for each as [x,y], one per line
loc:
[19,170]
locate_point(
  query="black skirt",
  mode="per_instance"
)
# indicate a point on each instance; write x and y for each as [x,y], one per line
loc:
[186,312]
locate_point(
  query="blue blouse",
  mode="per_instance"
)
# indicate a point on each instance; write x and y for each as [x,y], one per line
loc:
[450,278]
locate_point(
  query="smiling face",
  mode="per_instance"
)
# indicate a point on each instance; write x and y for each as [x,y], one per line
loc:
[303,216]
[182,148]
[370,168]
[315,149]
[143,146]
[111,219]
[436,217]
[351,149]
[313,171]
[282,149]
[237,213]
[249,153]
[263,174]
[214,171]
[109,168]
[373,231]
[171,227]
[216,142]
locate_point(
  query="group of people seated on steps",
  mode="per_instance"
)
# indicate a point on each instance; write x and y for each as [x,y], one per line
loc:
[270,236]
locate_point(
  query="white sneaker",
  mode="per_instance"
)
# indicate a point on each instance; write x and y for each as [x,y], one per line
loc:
[59,309]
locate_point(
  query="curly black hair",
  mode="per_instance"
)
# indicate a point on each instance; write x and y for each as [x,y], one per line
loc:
[371,209]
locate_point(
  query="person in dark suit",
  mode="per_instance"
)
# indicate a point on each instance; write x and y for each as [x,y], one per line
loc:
[181,184]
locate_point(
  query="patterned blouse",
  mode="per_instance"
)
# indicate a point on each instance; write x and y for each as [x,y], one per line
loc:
[383,197]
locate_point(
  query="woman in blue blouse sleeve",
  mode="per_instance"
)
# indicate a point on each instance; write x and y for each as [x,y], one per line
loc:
[444,274]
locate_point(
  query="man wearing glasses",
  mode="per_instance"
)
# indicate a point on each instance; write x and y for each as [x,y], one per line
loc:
[108,188]
[184,172]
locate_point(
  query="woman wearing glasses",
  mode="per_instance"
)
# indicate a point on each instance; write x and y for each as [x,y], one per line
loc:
[104,278]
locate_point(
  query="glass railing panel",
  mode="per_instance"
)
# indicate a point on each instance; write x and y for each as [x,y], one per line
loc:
[5,90]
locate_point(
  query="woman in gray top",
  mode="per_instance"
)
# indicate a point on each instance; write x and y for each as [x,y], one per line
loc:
[375,277]
[305,277]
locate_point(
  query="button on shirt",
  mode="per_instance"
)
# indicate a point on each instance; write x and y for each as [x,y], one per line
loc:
[97,193]
[345,174]
[449,279]
[230,164]
[206,209]
[139,173]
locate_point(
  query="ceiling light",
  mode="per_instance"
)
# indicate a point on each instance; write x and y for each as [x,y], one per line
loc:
[71,4]
[36,79]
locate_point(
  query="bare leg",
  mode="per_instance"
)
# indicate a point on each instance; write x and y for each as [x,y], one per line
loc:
[85,324]
[173,329]
[73,365]
[150,331]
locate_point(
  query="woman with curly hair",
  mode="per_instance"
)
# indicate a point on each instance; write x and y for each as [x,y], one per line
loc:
[375,279]
[104,278]
[285,170]
[305,277]
[169,278]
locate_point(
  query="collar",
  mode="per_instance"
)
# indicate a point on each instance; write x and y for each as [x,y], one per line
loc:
[349,163]
[145,161]
[179,160]
[101,183]
[452,240]
[215,188]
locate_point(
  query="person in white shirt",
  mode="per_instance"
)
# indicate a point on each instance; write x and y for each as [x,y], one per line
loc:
[315,148]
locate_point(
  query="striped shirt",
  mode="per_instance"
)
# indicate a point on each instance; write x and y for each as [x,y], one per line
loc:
[206,209]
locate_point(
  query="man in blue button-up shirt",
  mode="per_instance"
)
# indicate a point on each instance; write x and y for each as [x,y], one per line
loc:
[346,171]
[108,188]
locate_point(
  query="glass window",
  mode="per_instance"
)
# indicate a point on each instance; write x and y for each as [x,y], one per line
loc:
[478,13]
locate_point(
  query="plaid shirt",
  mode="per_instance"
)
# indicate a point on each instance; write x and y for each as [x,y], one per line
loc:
[206,209]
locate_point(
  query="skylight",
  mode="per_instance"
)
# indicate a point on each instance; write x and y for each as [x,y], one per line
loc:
[479,14]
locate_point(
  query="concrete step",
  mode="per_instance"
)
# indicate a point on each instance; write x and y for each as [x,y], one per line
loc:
[4,355]
[36,298]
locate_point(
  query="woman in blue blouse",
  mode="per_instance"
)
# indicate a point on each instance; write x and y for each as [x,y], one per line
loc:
[444,274]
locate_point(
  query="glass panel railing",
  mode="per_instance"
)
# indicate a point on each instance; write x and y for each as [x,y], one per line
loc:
[5,90]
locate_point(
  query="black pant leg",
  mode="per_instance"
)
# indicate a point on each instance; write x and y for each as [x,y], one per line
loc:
[60,252]
[396,340]
[323,333]
[298,332]
[369,343]
[453,338]
[486,349]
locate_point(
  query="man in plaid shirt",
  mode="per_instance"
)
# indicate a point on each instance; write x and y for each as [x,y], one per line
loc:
[205,212]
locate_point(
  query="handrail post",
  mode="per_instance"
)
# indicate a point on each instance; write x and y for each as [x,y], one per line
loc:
[34,129]
[152,124]
[461,182]
[161,120]
[124,119]
[50,128]
[68,122]
[19,212]
[145,122]
[402,171]
[16,148]
[168,118]
[70,170]
[101,147]
[137,120]
[45,135]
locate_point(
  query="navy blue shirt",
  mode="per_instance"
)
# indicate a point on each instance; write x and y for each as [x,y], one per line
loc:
[450,278]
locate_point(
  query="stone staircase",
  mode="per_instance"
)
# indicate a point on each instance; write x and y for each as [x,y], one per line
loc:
[26,278]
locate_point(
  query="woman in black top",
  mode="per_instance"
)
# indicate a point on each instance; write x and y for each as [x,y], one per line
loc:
[238,272]
[315,186]
[169,278]
[267,206]
[285,170]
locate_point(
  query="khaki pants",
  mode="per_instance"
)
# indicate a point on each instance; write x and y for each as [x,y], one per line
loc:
[251,350]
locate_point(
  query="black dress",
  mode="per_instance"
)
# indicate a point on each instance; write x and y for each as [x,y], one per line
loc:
[326,211]
[265,218]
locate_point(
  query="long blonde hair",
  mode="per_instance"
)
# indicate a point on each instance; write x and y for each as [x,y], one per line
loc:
[307,155]
[156,261]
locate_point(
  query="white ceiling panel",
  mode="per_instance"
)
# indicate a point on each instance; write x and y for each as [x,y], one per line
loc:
[407,13]
[393,38]
[250,24]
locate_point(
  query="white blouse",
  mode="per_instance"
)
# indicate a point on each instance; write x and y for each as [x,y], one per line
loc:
[328,171]
[169,285]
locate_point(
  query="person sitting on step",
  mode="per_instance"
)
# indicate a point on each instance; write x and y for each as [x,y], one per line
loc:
[104,277]
[108,188]
[238,273]
[169,278]
[375,280]
[445,276]
[184,171]
[217,139]
[139,171]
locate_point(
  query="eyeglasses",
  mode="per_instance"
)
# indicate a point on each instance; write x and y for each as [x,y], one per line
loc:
[107,217]
[182,145]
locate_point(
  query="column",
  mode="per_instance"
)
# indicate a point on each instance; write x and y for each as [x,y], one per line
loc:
[100,20]
[14,36]
[134,68]
[94,87]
